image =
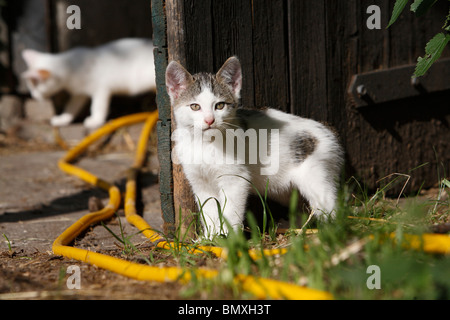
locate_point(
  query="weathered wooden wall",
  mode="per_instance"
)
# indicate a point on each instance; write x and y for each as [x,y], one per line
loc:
[299,56]
[398,136]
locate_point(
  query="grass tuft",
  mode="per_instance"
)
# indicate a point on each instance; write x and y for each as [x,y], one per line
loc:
[369,230]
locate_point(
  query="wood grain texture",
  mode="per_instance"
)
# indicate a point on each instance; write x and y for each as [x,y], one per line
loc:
[300,56]
[398,136]
[183,198]
[270,54]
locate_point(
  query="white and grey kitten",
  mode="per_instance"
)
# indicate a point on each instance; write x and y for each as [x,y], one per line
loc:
[122,67]
[223,147]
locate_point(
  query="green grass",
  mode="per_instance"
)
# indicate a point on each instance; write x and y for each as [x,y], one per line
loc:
[339,254]
[7,242]
[336,258]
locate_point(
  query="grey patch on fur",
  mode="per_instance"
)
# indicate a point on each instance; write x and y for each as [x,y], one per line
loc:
[207,80]
[303,146]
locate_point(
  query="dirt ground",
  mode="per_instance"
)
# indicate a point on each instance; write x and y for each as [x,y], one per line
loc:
[43,276]
[38,201]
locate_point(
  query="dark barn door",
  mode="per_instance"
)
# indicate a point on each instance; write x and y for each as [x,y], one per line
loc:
[301,56]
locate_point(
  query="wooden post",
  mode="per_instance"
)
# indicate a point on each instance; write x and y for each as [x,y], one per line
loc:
[164,122]
[183,199]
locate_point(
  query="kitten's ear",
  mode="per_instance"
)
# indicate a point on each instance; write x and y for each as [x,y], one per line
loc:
[177,80]
[30,56]
[231,75]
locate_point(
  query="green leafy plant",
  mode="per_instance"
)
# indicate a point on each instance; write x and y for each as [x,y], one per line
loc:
[436,45]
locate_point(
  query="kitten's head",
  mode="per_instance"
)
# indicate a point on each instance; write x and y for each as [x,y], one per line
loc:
[204,100]
[40,79]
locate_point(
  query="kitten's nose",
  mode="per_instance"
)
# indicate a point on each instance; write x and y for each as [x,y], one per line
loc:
[209,121]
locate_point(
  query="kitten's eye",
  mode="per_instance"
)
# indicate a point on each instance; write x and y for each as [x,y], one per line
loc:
[195,107]
[220,105]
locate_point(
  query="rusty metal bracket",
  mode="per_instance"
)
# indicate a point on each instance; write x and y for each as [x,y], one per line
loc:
[376,87]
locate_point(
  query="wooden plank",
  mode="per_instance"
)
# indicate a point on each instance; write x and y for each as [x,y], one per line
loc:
[415,133]
[372,88]
[373,44]
[270,54]
[307,61]
[367,52]
[183,199]
[398,136]
[164,114]
[232,32]
[176,39]
[340,31]
[159,24]
[165,176]
[199,53]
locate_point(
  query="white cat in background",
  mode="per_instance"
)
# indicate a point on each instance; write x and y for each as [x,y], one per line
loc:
[209,118]
[122,67]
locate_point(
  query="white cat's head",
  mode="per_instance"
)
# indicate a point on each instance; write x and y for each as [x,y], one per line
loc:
[204,100]
[40,78]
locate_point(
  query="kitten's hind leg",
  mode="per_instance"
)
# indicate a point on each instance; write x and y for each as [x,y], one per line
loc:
[318,186]
[72,109]
[99,110]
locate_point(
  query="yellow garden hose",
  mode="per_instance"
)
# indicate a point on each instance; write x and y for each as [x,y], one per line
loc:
[259,287]
[427,242]
[60,244]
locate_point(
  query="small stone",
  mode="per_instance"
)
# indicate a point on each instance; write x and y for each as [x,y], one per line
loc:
[10,111]
[39,110]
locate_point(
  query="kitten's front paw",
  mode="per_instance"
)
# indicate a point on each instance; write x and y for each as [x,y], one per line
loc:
[62,120]
[93,123]
[212,233]
[323,216]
